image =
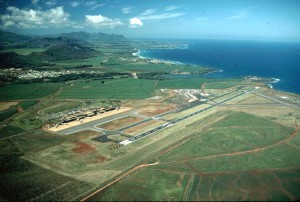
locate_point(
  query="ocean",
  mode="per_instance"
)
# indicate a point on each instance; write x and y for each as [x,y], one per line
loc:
[280,60]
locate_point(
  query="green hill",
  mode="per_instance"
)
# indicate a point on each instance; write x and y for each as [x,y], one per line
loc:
[11,59]
[91,37]
[14,40]
[10,39]
[45,42]
[65,52]
[53,53]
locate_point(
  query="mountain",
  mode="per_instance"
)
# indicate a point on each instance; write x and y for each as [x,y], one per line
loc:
[11,59]
[44,42]
[92,37]
[65,52]
[38,59]
[12,39]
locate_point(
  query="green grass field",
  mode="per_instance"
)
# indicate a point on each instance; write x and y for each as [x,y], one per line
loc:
[13,109]
[141,67]
[142,185]
[61,106]
[23,51]
[23,181]
[7,113]
[95,61]
[237,132]
[130,88]
[199,170]
[116,88]
[28,91]
[9,130]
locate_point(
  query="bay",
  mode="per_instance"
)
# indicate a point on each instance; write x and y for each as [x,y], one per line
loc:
[279,60]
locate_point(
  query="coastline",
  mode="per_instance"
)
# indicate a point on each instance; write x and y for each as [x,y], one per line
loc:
[275,80]
[268,83]
[155,60]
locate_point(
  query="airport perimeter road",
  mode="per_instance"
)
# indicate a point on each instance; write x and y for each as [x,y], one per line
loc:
[281,102]
[135,138]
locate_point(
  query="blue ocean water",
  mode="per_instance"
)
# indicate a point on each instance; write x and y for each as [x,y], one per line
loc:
[239,59]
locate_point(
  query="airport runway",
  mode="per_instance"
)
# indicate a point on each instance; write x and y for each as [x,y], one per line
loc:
[135,138]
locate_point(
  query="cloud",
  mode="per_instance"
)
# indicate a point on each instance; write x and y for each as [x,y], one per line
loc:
[75,3]
[135,22]
[92,5]
[170,8]
[34,2]
[51,3]
[161,16]
[242,14]
[55,17]
[148,12]
[96,6]
[99,21]
[126,10]
[149,15]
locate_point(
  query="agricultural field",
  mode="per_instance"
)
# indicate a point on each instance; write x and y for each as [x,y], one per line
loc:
[23,51]
[84,134]
[244,149]
[15,171]
[28,91]
[131,88]
[17,107]
[10,130]
[93,61]
[114,89]
[240,157]
[61,106]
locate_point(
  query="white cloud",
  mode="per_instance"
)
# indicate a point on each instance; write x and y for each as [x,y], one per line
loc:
[126,10]
[99,21]
[135,22]
[34,2]
[55,17]
[96,6]
[92,5]
[170,8]
[148,12]
[161,16]
[242,14]
[148,15]
[75,3]
[51,3]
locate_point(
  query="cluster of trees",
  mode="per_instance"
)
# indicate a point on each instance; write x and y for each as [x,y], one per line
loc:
[152,75]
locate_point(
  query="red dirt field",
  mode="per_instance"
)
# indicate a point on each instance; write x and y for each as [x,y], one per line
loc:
[156,110]
[121,122]
[101,158]
[82,148]
[85,134]
[140,126]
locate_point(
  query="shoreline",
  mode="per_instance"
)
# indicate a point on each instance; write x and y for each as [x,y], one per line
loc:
[139,54]
[155,60]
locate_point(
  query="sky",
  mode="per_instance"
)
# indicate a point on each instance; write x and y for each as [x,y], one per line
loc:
[213,19]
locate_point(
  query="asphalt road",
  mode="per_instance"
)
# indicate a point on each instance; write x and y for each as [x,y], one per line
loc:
[135,138]
[278,101]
